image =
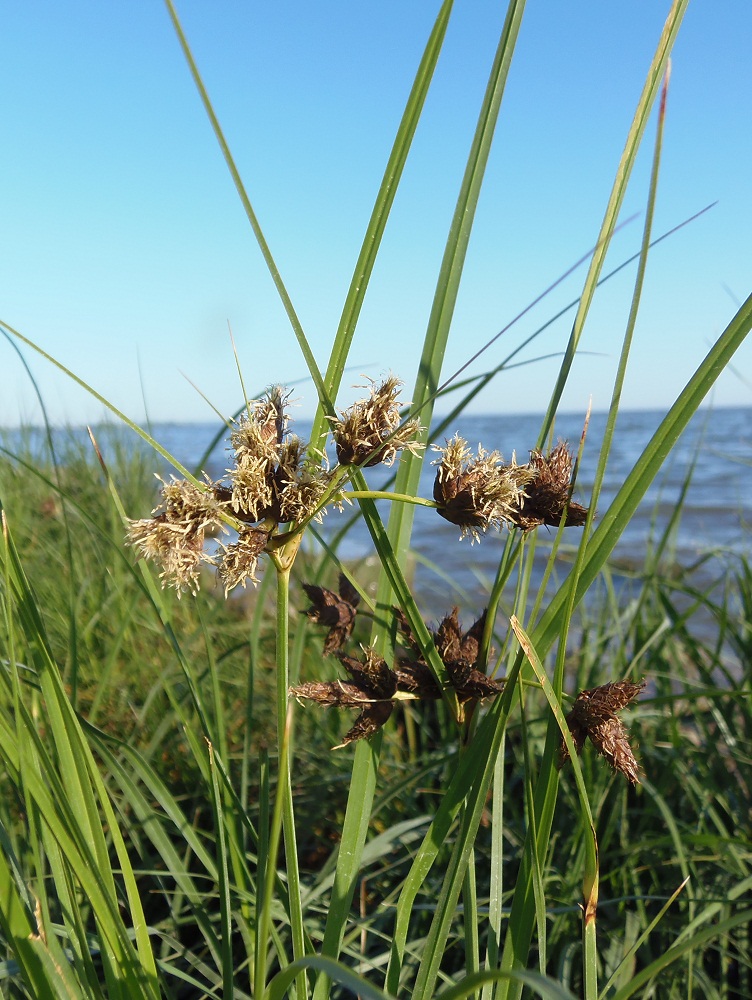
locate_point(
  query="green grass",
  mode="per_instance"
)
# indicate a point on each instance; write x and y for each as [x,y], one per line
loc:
[173,824]
[689,817]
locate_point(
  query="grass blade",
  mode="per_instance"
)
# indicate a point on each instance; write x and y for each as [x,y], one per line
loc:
[266,253]
[616,198]
[380,214]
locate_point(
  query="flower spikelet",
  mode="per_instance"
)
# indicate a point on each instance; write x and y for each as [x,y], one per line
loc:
[253,474]
[239,560]
[477,493]
[300,497]
[459,652]
[336,611]
[369,431]
[174,538]
[547,493]
[593,715]
[371,688]
[270,415]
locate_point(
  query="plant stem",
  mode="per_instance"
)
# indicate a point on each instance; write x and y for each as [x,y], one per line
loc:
[283,816]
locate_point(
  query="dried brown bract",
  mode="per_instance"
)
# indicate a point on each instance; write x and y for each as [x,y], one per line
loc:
[336,611]
[477,493]
[548,491]
[369,432]
[593,715]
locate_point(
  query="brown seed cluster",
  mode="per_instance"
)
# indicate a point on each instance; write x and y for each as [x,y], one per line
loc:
[336,611]
[593,716]
[369,432]
[480,492]
[372,686]
[547,496]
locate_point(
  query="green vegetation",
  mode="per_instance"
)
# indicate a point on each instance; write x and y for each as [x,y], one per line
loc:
[173,824]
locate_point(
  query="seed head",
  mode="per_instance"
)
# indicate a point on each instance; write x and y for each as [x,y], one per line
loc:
[547,491]
[594,715]
[371,688]
[369,432]
[239,561]
[459,653]
[477,493]
[336,611]
[174,538]
[374,687]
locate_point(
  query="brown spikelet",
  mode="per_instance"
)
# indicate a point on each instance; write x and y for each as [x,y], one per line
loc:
[593,715]
[405,631]
[368,723]
[341,694]
[479,492]
[449,636]
[415,677]
[459,652]
[371,688]
[336,611]
[371,674]
[369,432]
[548,491]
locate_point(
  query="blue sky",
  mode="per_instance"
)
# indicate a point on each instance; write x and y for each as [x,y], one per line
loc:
[126,252]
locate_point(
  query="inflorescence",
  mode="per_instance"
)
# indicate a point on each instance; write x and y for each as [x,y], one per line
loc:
[593,716]
[272,483]
[372,686]
[277,485]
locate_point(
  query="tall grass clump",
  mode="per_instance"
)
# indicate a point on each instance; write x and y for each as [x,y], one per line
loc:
[173,823]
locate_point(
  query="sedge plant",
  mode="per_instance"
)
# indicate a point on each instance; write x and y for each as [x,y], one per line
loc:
[105,829]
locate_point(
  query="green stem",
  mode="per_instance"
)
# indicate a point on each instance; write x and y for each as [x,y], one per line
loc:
[283,816]
[470,919]
[284,792]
